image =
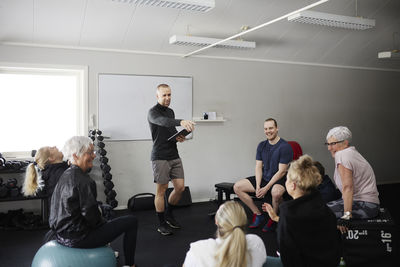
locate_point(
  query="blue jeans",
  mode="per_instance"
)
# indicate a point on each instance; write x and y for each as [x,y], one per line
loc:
[360,209]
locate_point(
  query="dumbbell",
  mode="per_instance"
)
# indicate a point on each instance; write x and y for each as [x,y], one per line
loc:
[107,176]
[105,167]
[8,165]
[92,137]
[2,161]
[102,152]
[111,194]
[108,184]
[113,203]
[100,144]
[11,183]
[12,187]
[16,165]
[106,191]
[3,190]
[14,192]
[100,138]
[104,160]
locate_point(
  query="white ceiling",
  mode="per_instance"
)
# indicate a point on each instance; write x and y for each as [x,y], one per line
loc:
[113,25]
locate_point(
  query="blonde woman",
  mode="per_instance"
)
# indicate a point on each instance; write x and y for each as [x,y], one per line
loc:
[42,175]
[307,233]
[232,248]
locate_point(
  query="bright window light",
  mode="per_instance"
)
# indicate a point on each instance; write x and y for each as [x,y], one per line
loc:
[39,108]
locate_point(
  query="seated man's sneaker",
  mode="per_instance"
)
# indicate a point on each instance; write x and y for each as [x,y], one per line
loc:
[172,222]
[257,221]
[164,230]
[270,226]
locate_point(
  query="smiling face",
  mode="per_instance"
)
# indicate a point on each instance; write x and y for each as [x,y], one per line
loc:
[335,145]
[85,161]
[164,96]
[270,130]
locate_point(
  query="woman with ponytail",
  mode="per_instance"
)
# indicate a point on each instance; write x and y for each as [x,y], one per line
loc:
[307,233]
[42,175]
[232,248]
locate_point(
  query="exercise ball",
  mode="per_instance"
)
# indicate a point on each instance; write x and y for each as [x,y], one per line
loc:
[273,262]
[53,254]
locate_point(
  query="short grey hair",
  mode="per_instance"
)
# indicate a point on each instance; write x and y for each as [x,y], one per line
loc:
[77,145]
[340,133]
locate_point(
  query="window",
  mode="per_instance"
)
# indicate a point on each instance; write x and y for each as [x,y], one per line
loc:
[41,107]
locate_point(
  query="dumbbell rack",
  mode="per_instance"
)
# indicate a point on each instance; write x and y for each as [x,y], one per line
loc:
[10,192]
[110,193]
[9,188]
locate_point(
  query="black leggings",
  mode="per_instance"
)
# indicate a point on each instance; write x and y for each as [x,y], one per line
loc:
[111,230]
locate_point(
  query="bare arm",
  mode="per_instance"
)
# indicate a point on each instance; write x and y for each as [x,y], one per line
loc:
[258,173]
[268,208]
[278,175]
[346,176]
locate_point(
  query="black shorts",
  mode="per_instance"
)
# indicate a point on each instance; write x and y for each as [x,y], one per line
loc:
[252,180]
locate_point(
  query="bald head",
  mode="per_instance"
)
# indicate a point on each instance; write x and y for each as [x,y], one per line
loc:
[164,95]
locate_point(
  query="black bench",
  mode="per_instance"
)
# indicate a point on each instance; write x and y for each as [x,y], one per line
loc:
[222,188]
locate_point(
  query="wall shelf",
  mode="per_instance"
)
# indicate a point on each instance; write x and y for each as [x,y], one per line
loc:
[200,119]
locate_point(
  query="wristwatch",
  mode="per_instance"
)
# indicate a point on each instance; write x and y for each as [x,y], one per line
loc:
[346,215]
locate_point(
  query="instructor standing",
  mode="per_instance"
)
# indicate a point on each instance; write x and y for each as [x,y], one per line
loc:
[165,161]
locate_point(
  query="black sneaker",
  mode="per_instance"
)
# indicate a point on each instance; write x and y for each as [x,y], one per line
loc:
[172,222]
[163,229]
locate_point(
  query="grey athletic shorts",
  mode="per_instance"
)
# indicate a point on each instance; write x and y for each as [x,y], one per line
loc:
[165,170]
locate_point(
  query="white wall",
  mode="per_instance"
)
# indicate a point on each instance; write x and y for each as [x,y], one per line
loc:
[306,100]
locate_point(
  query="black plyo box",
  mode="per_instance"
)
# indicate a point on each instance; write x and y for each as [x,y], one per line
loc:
[371,242]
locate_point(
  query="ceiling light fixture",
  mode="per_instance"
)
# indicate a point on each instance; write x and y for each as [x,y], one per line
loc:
[333,20]
[193,5]
[204,41]
[256,28]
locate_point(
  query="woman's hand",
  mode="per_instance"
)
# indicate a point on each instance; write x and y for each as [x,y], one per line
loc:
[268,208]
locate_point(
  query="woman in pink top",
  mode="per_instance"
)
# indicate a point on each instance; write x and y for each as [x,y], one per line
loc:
[353,176]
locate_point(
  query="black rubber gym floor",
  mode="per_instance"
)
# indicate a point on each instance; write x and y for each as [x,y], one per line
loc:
[18,247]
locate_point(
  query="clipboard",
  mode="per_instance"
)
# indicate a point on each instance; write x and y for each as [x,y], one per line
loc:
[183,132]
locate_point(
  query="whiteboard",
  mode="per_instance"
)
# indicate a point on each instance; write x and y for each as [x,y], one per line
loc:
[124,101]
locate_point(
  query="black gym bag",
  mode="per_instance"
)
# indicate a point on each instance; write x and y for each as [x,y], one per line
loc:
[142,201]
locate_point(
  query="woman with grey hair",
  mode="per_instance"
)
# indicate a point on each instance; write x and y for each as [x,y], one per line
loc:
[353,176]
[74,214]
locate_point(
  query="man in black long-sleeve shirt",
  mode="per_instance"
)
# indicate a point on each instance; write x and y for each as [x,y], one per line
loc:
[165,161]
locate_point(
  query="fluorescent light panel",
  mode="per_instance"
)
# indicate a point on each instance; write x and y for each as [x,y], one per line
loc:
[333,20]
[193,5]
[204,41]
[389,54]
